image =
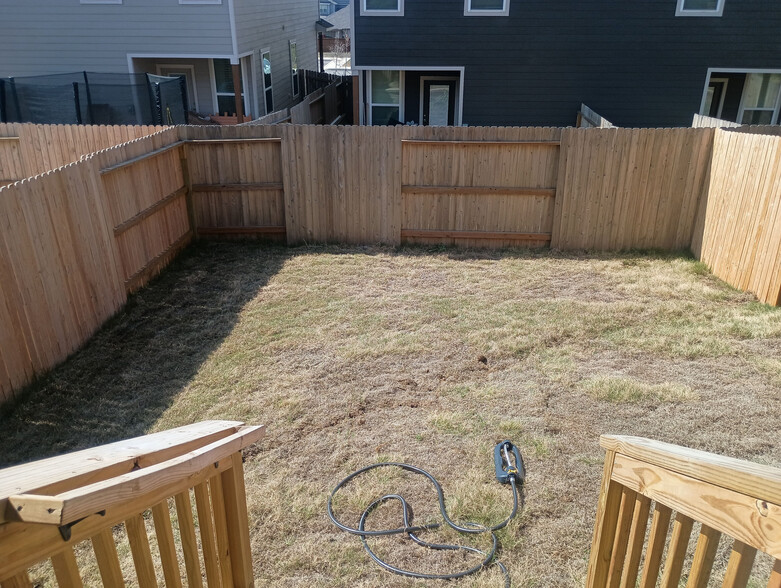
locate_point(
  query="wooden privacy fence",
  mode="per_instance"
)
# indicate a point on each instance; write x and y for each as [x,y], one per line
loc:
[726,497]
[740,234]
[89,501]
[74,241]
[27,150]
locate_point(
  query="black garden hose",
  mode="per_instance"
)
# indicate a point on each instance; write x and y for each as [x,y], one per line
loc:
[411,531]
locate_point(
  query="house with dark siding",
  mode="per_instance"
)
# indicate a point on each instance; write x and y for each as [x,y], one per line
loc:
[650,63]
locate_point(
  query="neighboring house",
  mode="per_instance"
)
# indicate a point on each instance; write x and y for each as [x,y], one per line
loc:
[533,62]
[337,36]
[200,39]
[327,7]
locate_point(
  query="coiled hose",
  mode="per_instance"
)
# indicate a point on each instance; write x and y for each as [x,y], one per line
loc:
[410,531]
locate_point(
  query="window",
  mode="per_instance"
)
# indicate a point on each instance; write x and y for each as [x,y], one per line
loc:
[486,7]
[294,67]
[224,89]
[385,97]
[200,1]
[714,97]
[269,93]
[100,1]
[382,7]
[760,103]
[699,8]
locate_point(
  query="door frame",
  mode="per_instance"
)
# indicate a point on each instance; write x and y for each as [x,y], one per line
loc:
[720,109]
[189,69]
[457,100]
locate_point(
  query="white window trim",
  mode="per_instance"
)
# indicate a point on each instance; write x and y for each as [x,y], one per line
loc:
[505,11]
[371,12]
[292,75]
[742,108]
[213,78]
[400,105]
[680,11]
[100,1]
[193,100]
[200,1]
[263,52]
[723,95]
[456,113]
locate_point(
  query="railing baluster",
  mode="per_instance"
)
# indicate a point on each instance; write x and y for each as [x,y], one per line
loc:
[775,575]
[238,523]
[18,581]
[142,554]
[653,555]
[221,529]
[184,516]
[166,544]
[108,561]
[676,552]
[704,555]
[66,569]
[739,567]
[623,527]
[210,559]
[605,526]
[636,541]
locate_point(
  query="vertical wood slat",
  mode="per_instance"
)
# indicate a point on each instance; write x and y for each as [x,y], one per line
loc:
[653,555]
[66,570]
[18,581]
[184,517]
[210,559]
[739,567]
[238,523]
[166,544]
[635,541]
[221,529]
[704,555]
[676,551]
[142,554]
[106,556]
[775,575]
[620,544]
[605,526]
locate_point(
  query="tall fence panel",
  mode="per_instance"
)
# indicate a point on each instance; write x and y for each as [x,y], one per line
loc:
[741,225]
[480,187]
[27,150]
[59,277]
[622,189]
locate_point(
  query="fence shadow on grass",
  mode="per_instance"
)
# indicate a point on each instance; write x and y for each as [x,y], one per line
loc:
[119,384]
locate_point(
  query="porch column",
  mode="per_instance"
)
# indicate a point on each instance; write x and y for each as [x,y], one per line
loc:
[237,92]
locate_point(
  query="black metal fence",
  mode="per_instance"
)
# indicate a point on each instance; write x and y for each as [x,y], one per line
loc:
[94,98]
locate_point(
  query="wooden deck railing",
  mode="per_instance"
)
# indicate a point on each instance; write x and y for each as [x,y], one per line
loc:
[729,497]
[48,507]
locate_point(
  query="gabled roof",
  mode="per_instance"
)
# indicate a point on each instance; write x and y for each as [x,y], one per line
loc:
[340,19]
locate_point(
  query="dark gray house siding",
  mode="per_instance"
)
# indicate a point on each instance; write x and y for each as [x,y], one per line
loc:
[633,61]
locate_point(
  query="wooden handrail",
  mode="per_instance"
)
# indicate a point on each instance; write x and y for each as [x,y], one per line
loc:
[761,481]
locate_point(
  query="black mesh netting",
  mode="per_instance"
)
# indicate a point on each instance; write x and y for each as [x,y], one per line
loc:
[94,98]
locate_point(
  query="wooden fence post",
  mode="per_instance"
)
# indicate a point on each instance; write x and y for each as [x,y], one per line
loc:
[238,523]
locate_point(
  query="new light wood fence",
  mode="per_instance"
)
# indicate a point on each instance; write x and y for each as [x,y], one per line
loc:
[75,240]
[622,189]
[741,221]
[728,497]
[88,501]
[27,150]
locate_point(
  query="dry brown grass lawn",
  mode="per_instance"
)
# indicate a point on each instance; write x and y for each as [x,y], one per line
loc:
[357,355]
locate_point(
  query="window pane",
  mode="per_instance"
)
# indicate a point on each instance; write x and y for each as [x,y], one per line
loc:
[761,90]
[382,4]
[700,4]
[757,117]
[266,70]
[226,104]
[386,87]
[269,101]
[383,115]
[223,75]
[486,5]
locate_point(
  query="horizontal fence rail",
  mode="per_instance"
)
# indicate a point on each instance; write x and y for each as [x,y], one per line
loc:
[727,497]
[76,240]
[63,506]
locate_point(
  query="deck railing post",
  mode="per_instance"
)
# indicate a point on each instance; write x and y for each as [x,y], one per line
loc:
[238,525]
[605,527]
